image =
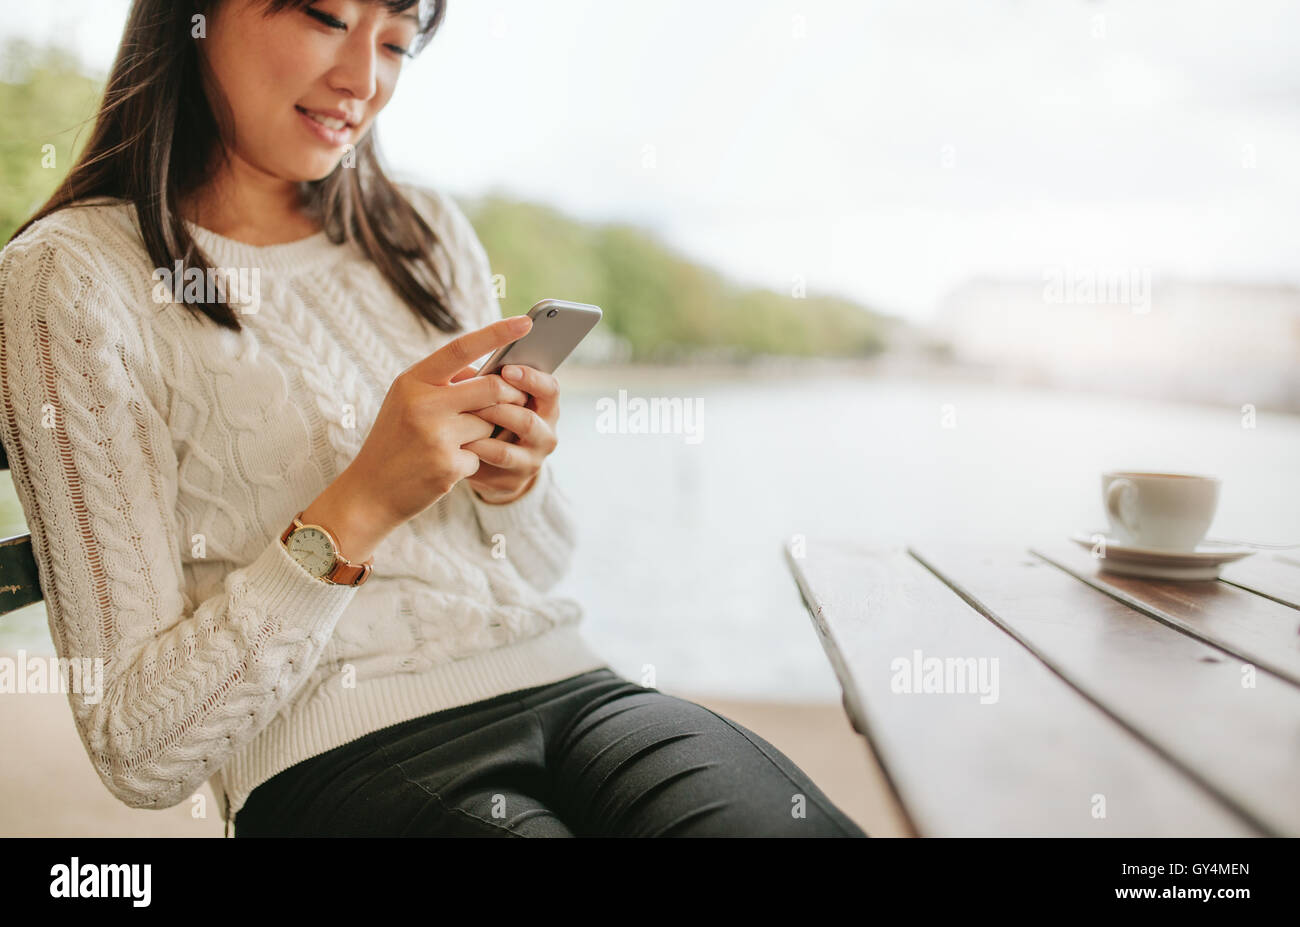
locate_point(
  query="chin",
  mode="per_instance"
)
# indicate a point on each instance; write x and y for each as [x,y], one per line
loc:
[315,169]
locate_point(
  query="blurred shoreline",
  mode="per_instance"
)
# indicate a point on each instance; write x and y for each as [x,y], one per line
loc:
[589,376]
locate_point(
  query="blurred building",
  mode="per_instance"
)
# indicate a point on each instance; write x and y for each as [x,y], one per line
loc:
[1180,339]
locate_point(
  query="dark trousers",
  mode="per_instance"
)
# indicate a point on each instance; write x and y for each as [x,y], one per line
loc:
[592,755]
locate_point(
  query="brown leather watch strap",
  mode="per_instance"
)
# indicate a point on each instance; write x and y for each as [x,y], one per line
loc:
[347,573]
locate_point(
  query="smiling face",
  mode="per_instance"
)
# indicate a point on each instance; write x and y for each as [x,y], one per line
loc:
[304,83]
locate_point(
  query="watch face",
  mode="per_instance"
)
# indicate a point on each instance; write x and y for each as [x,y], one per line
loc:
[312,548]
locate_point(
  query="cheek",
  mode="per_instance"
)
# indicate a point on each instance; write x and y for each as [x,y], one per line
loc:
[263,73]
[277,76]
[382,95]
[288,62]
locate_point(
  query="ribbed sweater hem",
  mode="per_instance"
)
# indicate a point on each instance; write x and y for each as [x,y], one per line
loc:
[333,717]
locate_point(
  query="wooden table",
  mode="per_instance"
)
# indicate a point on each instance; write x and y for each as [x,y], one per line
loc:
[1026,692]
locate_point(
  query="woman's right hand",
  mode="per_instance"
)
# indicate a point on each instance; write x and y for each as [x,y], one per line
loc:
[413,455]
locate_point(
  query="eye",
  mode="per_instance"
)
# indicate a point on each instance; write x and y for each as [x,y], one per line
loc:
[325,18]
[334,23]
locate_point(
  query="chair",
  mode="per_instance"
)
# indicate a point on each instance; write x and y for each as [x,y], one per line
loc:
[20,583]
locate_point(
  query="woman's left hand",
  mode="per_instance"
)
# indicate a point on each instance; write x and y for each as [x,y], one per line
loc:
[509,467]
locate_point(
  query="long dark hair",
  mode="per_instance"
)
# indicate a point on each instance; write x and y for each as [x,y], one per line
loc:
[156,138]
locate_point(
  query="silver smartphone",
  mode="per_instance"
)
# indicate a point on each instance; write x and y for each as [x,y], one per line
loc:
[558,327]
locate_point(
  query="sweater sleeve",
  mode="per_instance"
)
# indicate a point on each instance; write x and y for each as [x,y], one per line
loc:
[184,685]
[538,528]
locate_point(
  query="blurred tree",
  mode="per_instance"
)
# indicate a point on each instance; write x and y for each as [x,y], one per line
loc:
[47,103]
[664,305]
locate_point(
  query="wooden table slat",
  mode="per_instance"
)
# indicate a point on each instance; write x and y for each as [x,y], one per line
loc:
[1249,626]
[1033,760]
[1274,575]
[1237,733]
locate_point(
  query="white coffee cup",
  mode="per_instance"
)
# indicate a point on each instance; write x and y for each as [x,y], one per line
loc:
[1164,511]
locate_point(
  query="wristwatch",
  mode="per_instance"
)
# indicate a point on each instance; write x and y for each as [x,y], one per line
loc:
[317,551]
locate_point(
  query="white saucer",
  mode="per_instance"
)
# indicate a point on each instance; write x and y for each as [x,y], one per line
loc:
[1127,560]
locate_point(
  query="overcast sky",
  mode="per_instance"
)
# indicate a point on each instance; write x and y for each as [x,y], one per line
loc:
[881,150]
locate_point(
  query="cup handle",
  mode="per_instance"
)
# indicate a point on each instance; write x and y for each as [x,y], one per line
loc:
[1114,493]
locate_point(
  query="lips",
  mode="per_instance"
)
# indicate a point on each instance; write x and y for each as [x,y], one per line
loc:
[330,119]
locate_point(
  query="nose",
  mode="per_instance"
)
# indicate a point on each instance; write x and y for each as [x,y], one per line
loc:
[355,73]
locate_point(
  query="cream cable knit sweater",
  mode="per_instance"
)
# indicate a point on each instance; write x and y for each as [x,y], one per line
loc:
[158,459]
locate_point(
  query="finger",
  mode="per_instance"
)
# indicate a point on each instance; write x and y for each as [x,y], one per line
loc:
[543,387]
[464,374]
[532,429]
[439,367]
[501,454]
[467,427]
[480,392]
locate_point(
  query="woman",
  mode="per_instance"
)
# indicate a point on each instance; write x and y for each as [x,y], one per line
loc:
[261,488]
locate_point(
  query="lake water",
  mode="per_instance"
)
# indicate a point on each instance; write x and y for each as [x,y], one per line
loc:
[680,562]
[681,566]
